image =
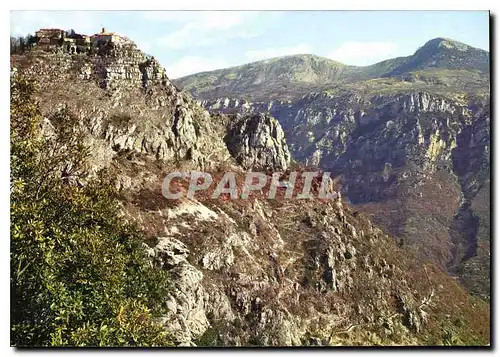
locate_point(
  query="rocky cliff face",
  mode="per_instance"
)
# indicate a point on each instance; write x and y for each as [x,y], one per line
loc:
[257,271]
[291,274]
[257,141]
[126,103]
[396,154]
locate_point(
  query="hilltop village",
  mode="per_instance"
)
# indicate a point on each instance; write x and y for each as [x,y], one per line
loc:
[72,42]
[112,60]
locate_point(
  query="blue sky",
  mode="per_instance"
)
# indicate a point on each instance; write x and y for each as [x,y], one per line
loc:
[187,42]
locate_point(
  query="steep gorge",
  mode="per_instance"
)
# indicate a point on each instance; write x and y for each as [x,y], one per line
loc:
[396,155]
[411,147]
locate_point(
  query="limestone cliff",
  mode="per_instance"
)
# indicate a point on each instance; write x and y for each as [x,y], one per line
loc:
[414,161]
[257,141]
[126,102]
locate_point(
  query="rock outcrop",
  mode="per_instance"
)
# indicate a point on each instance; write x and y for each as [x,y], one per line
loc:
[126,103]
[258,142]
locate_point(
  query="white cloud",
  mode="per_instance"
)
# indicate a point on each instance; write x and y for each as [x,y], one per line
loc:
[26,22]
[205,28]
[205,18]
[213,40]
[178,39]
[363,53]
[255,55]
[193,64]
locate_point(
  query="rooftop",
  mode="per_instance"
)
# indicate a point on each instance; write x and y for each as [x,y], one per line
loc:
[52,29]
[106,34]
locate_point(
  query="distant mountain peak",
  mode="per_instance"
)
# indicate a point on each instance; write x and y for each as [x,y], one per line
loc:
[288,59]
[267,78]
[445,53]
[443,42]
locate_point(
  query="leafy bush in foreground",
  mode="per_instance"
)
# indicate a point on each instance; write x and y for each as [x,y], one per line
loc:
[79,276]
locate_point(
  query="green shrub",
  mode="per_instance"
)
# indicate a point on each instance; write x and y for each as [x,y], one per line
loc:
[79,274]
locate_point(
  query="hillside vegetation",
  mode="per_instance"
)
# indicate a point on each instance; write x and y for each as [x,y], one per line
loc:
[79,273]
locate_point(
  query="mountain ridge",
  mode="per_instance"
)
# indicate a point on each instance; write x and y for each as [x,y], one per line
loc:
[437,40]
[289,77]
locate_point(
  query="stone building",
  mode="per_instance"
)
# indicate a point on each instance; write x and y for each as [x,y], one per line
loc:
[78,43]
[69,45]
[72,43]
[105,37]
[49,37]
